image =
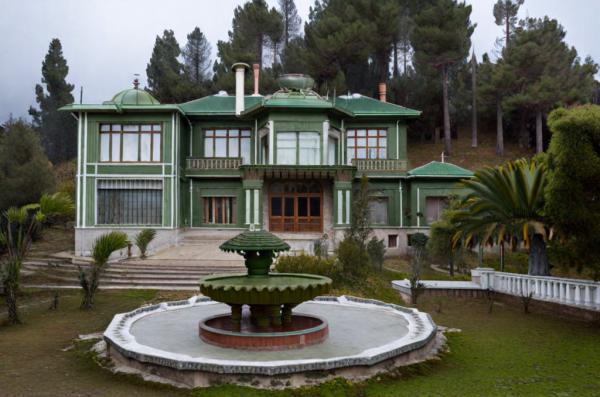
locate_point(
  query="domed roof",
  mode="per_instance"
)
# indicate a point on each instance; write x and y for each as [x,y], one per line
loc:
[133,96]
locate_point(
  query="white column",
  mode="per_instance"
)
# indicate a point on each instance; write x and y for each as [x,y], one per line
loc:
[79,153]
[418,206]
[256,208]
[588,295]
[556,294]
[568,292]
[401,207]
[84,193]
[271,126]
[340,207]
[347,206]
[248,203]
[325,141]
[191,202]
[577,298]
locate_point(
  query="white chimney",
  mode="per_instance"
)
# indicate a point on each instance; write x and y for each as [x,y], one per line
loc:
[240,70]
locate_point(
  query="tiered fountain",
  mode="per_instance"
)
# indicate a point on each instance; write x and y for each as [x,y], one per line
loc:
[261,302]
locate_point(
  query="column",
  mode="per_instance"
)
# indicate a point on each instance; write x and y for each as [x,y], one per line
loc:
[325,140]
[342,202]
[271,126]
[252,202]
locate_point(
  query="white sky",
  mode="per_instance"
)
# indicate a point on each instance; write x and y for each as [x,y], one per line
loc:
[106,41]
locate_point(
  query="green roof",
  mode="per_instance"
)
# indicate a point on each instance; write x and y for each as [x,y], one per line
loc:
[361,105]
[133,96]
[218,104]
[112,107]
[439,169]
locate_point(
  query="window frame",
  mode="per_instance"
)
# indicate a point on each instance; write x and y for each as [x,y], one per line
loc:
[159,201]
[205,210]
[152,132]
[227,138]
[297,147]
[366,147]
[386,200]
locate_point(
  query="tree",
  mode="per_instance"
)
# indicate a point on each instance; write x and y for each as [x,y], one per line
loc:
[291,20]
[441,38]
[503,203]
[293,56]
[505,13]
[143,239]
[402,44]
[196,57]
[103,248]
[573,189]
[360,228]
[18,226]
[164,71]
[441,245]
[418,251]
[58,131]
[474,100]
[544,71]
[25,172]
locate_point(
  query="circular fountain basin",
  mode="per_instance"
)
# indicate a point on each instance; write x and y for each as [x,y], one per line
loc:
[366,338]
[303,330]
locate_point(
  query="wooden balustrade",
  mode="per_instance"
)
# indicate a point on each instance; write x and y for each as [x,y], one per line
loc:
[385,165]
[568,291]
[214,163]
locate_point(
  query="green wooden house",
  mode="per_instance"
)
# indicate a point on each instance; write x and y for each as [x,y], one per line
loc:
[286,162]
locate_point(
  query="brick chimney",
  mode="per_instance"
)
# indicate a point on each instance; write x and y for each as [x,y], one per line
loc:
[382,92]
[256,71]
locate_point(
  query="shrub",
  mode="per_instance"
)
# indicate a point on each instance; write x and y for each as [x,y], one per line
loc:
[354,260]
[376,251]
[309,264]
[143,239]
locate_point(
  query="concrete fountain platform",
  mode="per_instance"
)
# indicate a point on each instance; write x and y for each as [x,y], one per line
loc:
[366,337]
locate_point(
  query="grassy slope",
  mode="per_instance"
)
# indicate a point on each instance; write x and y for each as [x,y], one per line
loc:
[464,155]
[503,353]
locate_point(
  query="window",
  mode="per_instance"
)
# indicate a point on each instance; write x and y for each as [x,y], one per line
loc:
[331,150]
[298,148]
[434,206]
[219,210]
[130,143]
[227,143]
[378,210]
[392,240]
[367,144]
[129,202]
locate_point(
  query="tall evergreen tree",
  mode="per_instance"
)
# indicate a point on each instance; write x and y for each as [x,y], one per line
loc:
[58,130]
[505,13]
[544,71]
[441,38]
[293,56]
[196,57]
[291,20]
[165,71]
[474,100]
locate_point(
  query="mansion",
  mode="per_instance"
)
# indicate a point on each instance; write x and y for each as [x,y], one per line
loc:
[286,162]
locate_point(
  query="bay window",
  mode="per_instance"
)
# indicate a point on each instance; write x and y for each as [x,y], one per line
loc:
[298,148]
[130,143]
[367,143]
[227,143]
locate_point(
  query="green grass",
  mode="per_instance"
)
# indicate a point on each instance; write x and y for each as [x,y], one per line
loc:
[505,353]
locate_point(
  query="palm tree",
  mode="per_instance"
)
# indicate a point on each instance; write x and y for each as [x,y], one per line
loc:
[143,239]
[507,202]
[103,248]
[18,227]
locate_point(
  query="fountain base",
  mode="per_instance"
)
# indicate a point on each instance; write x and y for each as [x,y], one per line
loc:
[302,330]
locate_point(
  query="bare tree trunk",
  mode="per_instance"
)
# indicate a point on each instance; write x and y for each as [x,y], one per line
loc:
[436,135]
[523,131]
[474,92]
[447,133]
[539,137]
[538,257]
[395,59]
[499,130]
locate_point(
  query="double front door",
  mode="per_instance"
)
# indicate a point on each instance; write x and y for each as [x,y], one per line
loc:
[296,207]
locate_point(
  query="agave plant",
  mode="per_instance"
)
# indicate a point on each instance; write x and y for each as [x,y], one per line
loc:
[143,239]
[507,202]
[16,234]
[103,248]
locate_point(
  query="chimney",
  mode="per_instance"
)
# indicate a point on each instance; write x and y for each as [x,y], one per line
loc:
[382,92]
[240,70]
[256,70]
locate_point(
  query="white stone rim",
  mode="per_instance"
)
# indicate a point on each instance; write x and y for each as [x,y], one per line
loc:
[421,330]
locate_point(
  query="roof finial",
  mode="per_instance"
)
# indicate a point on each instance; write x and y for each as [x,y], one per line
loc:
[136,81]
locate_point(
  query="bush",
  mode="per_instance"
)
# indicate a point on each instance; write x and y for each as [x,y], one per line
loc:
[376,251]
[353,259]
[309,264]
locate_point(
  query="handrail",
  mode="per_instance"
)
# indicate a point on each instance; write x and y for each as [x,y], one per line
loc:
[380,164]
[226,163]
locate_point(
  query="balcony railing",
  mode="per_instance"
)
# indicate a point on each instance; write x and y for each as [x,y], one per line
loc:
[380,165]
[214,163]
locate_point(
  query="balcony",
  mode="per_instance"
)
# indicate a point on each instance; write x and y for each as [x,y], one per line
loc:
[203,164]
[380,165]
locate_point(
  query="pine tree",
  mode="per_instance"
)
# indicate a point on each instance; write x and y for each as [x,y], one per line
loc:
[442,38]
[196,57]
[474,100]
[164,71]
[505,13]
[58,130]
[291,20]
[294,55]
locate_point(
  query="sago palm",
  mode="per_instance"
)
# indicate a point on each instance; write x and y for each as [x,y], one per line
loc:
[103,248]
[507,202]
[143,239]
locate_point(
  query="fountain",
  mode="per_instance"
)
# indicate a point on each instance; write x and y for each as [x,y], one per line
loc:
[267,330]
[261,302]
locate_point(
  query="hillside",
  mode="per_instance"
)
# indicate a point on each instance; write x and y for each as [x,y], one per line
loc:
[464,155]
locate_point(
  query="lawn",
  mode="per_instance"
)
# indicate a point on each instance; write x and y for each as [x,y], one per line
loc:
[503,353]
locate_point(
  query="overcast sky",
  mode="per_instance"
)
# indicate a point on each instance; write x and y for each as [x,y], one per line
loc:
[106,41]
